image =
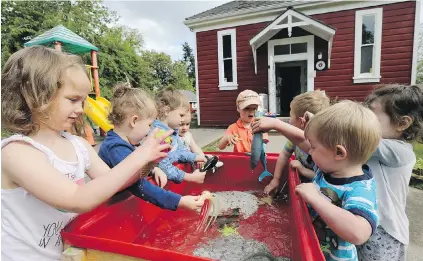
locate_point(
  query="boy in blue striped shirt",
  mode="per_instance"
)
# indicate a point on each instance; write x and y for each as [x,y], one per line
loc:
[342,196]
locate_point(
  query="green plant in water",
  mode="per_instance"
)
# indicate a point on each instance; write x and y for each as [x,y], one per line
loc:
[228,231]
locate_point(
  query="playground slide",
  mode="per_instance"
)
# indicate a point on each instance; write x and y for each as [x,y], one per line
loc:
[97,111]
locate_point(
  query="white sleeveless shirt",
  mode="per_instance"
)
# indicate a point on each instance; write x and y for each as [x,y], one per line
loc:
[30,229]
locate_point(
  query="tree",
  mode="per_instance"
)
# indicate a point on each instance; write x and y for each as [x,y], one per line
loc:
[120,55]
[119,46]
[161,65]
[180,79]
[190,61]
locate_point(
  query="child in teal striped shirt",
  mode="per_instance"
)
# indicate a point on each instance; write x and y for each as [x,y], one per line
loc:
[342,195]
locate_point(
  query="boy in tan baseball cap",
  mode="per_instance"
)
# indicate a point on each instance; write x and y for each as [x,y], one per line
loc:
[239,133]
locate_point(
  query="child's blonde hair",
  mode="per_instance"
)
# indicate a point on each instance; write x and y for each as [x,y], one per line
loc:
[170,99]
[29,82]
[313,101]
[349,124]
[127,101]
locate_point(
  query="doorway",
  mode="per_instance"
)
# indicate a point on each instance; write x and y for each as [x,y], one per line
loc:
[290,81]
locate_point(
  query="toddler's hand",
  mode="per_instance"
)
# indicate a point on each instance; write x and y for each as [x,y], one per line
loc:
[296,165]
[197,176]
[233,139]
[152,149]
[160,177]
[264,124]
[191,203]
[274,184]
[307,191]
[200,165]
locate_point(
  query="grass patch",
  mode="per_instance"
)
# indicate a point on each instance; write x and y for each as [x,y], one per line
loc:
[417,182]
[418,149]
[211,147]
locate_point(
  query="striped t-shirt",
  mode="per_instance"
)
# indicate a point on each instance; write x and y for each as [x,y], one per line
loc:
[357,195]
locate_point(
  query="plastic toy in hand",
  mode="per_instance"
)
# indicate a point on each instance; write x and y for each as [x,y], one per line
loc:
[168,140]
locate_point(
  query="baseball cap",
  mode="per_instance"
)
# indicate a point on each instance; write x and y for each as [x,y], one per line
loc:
[246,98]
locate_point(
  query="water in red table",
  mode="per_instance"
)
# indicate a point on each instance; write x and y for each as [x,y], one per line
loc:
[176,231]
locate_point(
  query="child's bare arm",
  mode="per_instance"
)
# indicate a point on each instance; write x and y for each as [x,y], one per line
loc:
[223,142]
[348,226]
[41,179]
[195,148]
[308,173]
[281,163]
[292,133]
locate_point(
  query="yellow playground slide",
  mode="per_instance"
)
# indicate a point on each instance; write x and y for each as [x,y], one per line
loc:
[97,110]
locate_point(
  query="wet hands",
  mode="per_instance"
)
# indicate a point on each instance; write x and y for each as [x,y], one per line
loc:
[160,177]
[197,177]
[153,148]
[201,160]
[274,184]
[191,202]
[307,191]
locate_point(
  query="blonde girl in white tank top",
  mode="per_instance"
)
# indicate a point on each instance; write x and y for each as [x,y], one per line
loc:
[43,168]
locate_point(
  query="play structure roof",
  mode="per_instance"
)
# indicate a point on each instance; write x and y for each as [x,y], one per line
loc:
[71,42]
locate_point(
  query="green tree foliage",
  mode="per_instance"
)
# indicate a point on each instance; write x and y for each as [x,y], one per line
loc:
[190,61]
[121,55]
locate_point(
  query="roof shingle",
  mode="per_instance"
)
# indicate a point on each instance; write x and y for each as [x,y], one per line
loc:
[237,6]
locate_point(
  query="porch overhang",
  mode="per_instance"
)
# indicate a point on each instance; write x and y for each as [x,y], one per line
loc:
[290,19]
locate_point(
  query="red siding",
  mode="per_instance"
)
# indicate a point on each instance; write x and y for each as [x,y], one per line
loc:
[396,57]
[218,107]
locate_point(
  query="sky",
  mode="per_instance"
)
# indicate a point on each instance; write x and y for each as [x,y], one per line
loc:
[161,22]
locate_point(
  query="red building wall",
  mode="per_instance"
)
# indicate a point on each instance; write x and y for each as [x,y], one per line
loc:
[396,57]
[218,107]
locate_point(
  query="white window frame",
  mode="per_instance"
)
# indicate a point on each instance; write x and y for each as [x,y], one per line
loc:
[222,84]
[374,76]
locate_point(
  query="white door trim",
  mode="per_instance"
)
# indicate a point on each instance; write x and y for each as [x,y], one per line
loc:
[309,57]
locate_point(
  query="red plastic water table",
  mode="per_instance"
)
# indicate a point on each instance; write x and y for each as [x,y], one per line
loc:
[129,226]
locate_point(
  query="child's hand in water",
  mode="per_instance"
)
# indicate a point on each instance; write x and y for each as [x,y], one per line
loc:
[274,184]
[197,177]
[152,149]
[191,202]
[307,191]
[160,177]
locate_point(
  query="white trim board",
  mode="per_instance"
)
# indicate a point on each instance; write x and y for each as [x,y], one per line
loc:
[197,86]
[373,76]
[416,43]
[226,86]
[253,17]
[314,27]
[272,59]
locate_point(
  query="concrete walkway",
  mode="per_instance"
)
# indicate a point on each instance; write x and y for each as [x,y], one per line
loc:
[414,208]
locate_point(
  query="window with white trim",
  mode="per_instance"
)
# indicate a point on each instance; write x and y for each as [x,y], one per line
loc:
[226,44]
[368,43]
